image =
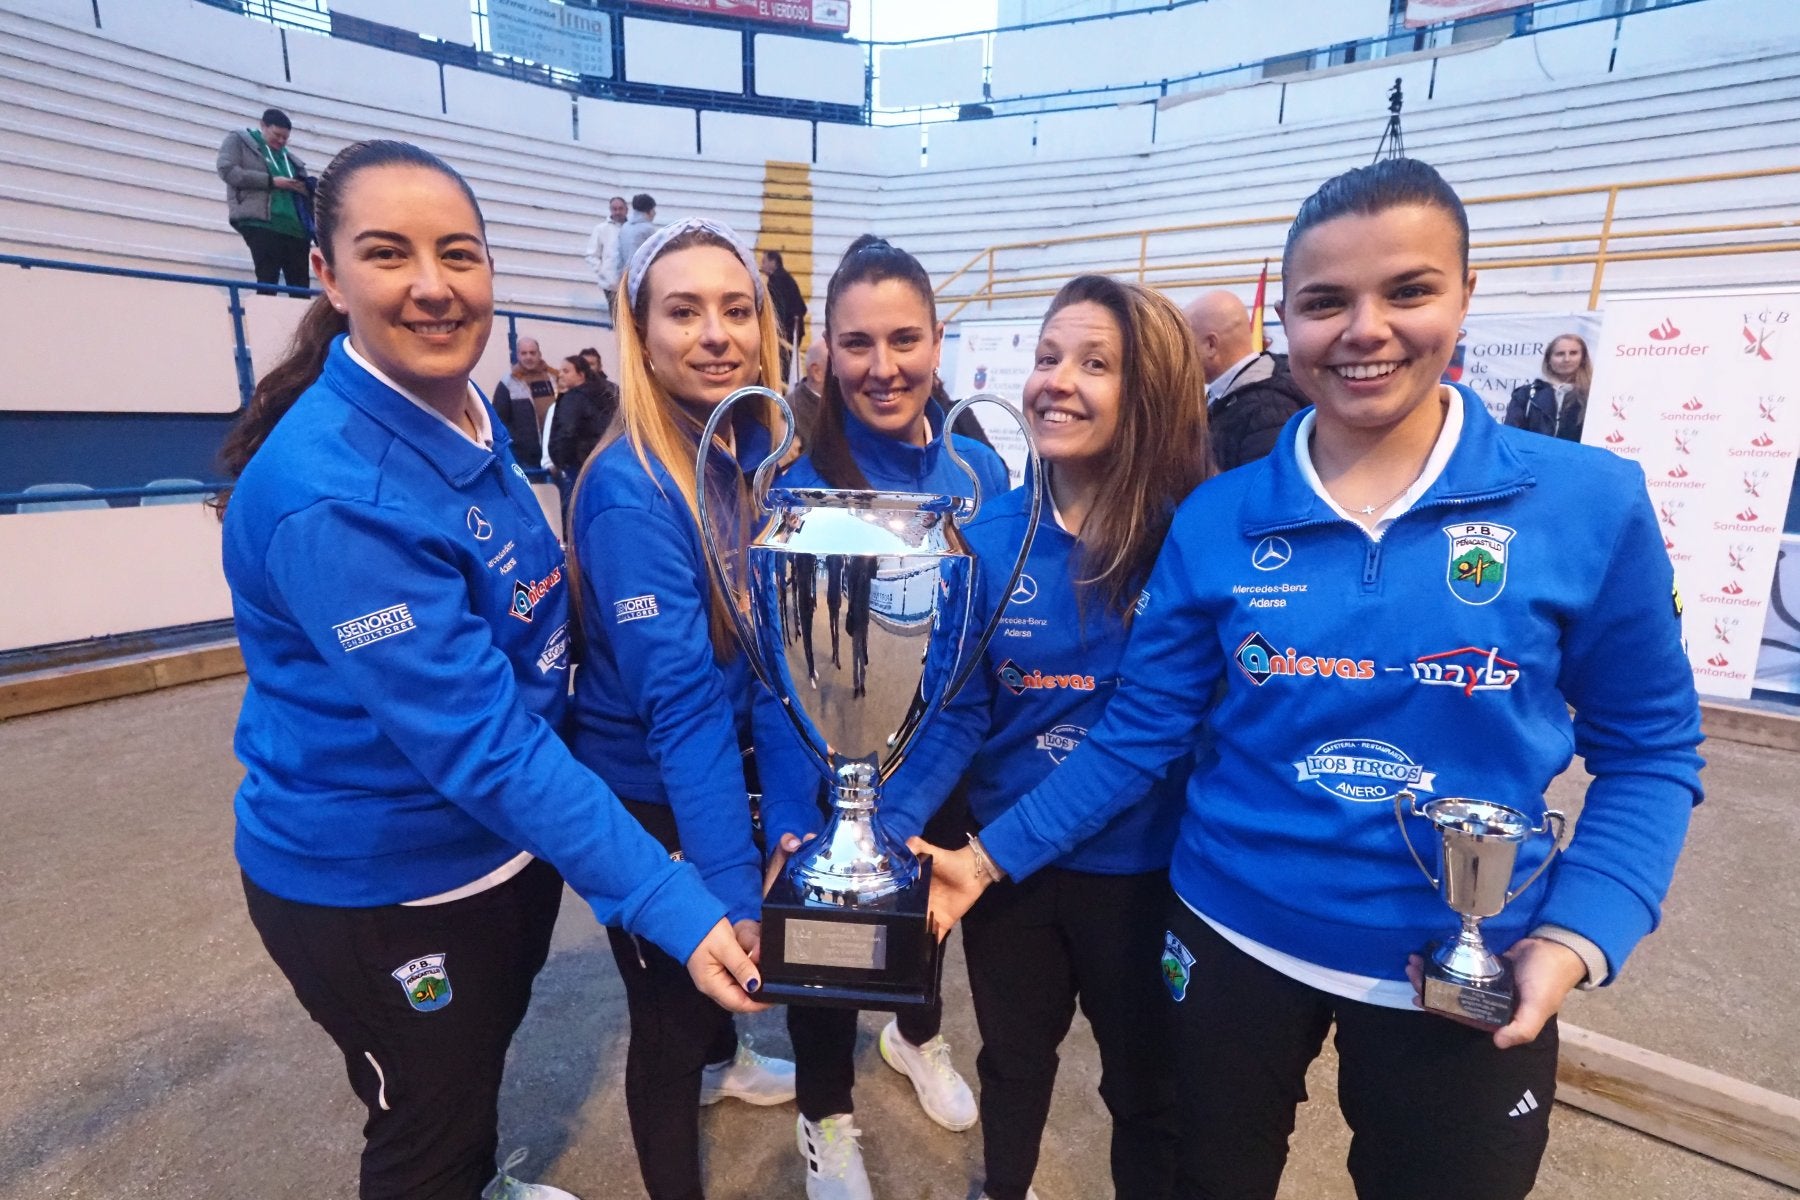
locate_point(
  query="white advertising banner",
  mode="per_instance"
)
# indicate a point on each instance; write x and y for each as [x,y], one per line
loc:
[995,356]
[1431,12]
[1698,390]
[1502,351]
[555,35]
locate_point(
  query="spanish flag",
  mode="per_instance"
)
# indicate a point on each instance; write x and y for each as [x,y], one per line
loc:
[1257,337]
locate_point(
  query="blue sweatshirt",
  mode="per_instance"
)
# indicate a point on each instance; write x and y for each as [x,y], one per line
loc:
[791,782]
[1043,683]
[891,465]
[656,714]
[403,612]
[1529,577]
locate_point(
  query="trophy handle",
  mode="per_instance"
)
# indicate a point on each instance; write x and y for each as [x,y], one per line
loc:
[1552,817]
[759,494]
[1405,802]
[968,659]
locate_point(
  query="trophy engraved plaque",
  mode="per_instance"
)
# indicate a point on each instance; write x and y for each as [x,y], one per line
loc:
[856,611]
[1478,843]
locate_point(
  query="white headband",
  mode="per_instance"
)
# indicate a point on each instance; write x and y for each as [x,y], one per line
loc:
[657,242]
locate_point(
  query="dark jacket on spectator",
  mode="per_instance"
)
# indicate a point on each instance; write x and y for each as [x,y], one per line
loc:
[790,308]
[1245,422]
[582,415]
[516,403]
[1533,407]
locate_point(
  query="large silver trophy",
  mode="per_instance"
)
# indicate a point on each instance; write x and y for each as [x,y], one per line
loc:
[856,611]
[1478,845]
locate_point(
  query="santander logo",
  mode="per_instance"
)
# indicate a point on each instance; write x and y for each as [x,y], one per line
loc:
[1666,332]
[1615,437]
[1761,440]
[1693,404]
[1731,588]
[1679,472]
[1663,343]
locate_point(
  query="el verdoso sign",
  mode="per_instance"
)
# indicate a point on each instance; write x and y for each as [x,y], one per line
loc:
[814,14]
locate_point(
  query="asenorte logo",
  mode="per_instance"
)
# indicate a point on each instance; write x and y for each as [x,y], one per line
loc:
[361,631]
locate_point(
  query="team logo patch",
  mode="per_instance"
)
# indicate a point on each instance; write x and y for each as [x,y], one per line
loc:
[635,608]
[1177,965]
[1478,560]
[1364,770]
[365,630]
[526,596]
[1061,741]
[1026,591]
[1271,554]
[1143,602]
[425,982]
[520,472]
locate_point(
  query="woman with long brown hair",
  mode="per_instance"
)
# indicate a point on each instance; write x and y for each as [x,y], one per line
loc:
[403,616]
[663,697]
[1115,402]
[1555,403]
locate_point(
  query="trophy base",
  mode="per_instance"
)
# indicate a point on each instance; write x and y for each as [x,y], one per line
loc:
[883,957]
[1488,1003]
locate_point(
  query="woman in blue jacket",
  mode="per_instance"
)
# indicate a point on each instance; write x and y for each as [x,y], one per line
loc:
[1403,595]
[662,699]
[1115,405]
[403,614]
[877,427]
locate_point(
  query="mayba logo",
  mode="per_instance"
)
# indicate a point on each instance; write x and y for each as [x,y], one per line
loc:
[1258,659]
[1019,681]
[527,595]
[1061,741]
[358,632]
[1470,669]
[1363,770]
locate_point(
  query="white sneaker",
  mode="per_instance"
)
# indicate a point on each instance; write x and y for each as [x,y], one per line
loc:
[505,1187]
[943,1095]
[751,1077]
[834,1164]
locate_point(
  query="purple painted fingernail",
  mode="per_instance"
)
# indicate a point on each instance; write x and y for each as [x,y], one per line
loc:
[753,986]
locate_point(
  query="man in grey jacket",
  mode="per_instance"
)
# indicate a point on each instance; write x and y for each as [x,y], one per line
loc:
[265,191]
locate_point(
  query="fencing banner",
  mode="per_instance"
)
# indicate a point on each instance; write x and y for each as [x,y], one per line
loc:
[1431,12]
[1502,351]
[995,356]
[555,35]
[1699,391]
[815,14]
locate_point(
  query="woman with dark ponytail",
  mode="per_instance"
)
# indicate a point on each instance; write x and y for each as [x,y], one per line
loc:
[402,608]
[879,425]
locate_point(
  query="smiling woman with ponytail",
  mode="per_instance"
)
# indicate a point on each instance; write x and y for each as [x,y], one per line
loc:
[403,614]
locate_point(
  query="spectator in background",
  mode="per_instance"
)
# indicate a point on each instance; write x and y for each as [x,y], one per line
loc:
[600,248]
[265,199]
[1249,393]
[634,233]
[803,397]
[582,413]
[523,399]
[790,307]
[1555,404]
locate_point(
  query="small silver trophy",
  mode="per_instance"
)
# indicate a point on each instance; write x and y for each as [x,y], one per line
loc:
[1478,843]
[856,612]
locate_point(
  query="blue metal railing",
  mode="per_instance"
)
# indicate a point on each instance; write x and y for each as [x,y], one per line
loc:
[174,427]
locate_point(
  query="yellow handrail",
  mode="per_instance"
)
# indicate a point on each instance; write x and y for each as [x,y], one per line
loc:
[1001,284]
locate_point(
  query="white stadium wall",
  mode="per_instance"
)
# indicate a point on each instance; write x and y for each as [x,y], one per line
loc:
[107,138]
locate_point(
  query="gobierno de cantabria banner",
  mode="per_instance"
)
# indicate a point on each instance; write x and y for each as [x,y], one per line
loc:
[1699,391]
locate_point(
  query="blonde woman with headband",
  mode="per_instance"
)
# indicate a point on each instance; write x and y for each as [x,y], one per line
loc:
[662,702]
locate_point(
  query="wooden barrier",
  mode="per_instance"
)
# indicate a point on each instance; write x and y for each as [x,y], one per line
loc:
[84,683]
[1700,1110]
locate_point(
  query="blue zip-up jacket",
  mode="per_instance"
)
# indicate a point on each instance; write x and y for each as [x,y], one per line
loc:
[1530,577]
[1043,683]
[891,465]
[656,715]
[791,783]
[403,612]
